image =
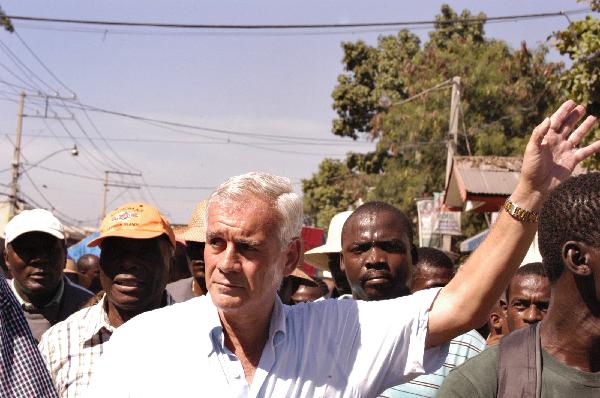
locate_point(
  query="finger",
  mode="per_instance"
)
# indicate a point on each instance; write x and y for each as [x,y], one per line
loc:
[558,117]
[571,120]
[584,153]
[581,131]
[540,132]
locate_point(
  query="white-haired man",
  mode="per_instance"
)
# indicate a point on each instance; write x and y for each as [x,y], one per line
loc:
[246,343]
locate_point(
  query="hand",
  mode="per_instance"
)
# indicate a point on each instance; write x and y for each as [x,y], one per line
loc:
[552,153]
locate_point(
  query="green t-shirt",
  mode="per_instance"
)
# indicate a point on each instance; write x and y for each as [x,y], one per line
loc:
[478,377]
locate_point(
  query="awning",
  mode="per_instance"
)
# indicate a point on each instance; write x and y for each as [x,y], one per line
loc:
[469,245]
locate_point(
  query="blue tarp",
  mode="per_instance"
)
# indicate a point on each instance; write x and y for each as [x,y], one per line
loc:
[469,245]
[80,248]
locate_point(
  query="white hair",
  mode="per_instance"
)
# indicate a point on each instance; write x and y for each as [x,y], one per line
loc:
[276,190]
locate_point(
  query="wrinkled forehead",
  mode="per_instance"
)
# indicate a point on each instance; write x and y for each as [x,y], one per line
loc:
[249,214]
[374,226]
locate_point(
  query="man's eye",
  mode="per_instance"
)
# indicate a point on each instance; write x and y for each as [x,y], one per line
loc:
[393,247]
[519,305]
[216,243]
[245,247]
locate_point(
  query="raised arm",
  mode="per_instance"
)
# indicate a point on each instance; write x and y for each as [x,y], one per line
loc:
[550,157]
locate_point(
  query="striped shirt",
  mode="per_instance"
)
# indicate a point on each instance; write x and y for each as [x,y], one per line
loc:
[461,348]
[22,370]
[72,348]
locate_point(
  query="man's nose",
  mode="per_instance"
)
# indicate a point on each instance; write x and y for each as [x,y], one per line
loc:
[533,314]
[230,260]
[376,259]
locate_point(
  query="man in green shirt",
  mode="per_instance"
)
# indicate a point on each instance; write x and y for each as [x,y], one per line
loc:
[569,239]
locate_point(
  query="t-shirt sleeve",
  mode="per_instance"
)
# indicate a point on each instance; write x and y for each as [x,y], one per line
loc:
[392,340]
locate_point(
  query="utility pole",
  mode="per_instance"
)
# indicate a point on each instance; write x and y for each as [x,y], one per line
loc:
[14,187]
[452,143]
[453,126]
[107,184]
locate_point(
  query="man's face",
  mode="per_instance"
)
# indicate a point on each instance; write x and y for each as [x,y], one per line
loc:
[376,256]
[427,277]
[195,251]
[91,267]
[244,259]
[306,294]
[528,299]
[134,272]
[36,261]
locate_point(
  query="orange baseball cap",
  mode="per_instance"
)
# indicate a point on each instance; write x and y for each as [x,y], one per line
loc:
[136,221]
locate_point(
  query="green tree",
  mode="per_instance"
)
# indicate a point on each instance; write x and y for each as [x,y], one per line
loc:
[5,21]
[505,93]
[581,42]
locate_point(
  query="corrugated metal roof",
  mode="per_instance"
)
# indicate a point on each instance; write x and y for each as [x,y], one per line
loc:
[489,175]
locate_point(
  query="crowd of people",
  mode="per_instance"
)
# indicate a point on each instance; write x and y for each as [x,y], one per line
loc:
[221,308]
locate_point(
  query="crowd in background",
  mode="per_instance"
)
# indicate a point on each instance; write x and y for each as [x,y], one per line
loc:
[383,318]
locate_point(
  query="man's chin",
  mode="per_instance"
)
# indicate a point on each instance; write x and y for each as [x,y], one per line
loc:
[382,292]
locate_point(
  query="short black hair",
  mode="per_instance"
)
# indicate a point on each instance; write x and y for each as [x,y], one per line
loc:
[536,268]
[571,212]
[377,206]
[433,257]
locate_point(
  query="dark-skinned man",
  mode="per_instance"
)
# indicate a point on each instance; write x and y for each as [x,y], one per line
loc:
[36,255]
[89,265]
[137,245]
[246,343]
[527,296]
[195,238]
[564,347]
[377,256]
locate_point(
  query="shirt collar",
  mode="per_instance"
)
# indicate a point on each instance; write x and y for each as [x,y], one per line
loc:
[97,317]
[277,325]
[54,301]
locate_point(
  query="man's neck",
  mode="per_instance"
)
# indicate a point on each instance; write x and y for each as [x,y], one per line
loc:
[571,334]
[246,333]
[39,300]
[118,316]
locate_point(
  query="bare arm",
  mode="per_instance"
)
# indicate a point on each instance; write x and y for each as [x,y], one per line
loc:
[550,158]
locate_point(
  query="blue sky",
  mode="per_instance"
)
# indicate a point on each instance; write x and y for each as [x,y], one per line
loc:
[262,83]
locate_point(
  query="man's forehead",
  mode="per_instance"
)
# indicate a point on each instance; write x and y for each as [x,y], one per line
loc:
[529,284]
[246,216]
[375,224]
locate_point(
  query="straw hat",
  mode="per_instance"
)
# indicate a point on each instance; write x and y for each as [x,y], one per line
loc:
[196,229]
[317,257]
[299,274]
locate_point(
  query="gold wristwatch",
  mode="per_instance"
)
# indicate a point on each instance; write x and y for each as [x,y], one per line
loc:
[518,213]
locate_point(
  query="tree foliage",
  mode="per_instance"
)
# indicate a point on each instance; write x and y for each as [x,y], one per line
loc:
[504,94]
[5,21]
[581,42]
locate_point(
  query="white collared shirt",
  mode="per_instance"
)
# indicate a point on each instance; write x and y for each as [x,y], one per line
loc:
[332,348]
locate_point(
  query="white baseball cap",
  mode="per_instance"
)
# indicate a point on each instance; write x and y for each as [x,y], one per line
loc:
[36,220]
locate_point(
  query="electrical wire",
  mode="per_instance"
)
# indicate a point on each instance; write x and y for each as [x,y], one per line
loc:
[506,18]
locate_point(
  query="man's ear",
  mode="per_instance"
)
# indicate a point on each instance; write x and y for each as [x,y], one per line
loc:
[575,256]
[294,256]
[342,266]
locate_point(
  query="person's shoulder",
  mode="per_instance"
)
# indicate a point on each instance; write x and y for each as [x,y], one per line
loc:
[181,290]
[478,376]
[472,340]
[78,319]
[167,317]
[75,292]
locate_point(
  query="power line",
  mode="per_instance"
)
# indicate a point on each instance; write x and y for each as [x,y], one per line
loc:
[505,18]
